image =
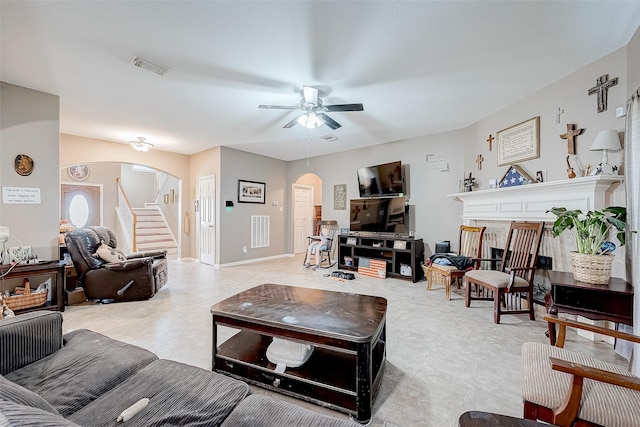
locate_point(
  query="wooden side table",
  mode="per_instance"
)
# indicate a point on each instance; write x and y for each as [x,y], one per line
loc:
[55,269]
[612,302]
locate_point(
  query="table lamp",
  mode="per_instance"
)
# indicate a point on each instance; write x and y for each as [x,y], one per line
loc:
[606,140]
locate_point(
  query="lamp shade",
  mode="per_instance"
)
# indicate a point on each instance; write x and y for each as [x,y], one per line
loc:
[606,140]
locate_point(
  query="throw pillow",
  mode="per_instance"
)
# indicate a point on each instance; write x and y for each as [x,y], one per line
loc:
[109,254]
[13,392]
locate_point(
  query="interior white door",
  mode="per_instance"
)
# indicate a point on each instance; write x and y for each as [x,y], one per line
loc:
[207,218]
[302,217]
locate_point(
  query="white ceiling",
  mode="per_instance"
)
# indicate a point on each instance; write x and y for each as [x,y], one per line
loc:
[418,67]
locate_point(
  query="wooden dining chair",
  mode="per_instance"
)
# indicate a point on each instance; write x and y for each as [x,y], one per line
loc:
[469,245]
[514,281]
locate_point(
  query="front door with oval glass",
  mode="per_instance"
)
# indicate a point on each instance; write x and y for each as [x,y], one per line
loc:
[81,204]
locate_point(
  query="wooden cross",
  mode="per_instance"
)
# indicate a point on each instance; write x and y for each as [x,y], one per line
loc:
[490,140]
[479,160]
[602,86]
[557,114]
[570,136]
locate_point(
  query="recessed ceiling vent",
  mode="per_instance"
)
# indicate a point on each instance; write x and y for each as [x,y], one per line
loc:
[329,138]
[145,64]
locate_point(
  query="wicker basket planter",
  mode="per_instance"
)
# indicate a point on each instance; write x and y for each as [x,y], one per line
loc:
[591,268]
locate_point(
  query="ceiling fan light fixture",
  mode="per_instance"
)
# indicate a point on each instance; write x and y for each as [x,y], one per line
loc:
[310,120]
[141,145]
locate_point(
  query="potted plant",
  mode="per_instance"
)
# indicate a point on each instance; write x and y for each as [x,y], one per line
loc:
[592,259]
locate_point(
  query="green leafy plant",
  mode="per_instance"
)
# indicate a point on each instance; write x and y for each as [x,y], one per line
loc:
[591,230]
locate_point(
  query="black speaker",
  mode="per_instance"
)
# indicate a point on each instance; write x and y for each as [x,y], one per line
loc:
[443,246]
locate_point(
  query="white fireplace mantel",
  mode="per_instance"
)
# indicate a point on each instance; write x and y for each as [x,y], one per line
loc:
[531,202]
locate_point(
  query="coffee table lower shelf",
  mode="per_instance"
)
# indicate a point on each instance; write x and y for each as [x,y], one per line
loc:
[328,378]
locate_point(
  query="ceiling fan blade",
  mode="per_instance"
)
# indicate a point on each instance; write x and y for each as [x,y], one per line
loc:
[292,123]
[279,107]
[310,95]
[344,107]
[329,121]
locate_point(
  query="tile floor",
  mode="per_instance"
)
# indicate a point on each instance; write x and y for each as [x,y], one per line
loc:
[442,359]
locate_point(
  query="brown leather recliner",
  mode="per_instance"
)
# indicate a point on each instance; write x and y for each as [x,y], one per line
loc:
[139,277]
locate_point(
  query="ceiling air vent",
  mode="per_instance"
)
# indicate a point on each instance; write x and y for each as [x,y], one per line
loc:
[329,138]
[144,63]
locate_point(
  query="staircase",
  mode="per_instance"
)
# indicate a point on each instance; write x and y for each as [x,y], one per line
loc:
[152,231]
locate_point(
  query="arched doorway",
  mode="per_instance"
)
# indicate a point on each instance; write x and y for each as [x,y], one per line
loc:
[307,209]
[96,191]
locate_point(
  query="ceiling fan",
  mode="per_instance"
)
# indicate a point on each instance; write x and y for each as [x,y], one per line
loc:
[313,112]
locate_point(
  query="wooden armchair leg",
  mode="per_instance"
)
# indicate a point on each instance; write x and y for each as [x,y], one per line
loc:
[530,411]
[467,293]
[565,415]
[428,278]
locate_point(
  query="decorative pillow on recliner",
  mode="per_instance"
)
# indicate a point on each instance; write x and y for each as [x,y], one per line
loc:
[110,254]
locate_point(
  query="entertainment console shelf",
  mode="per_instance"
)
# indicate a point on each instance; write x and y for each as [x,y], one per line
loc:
[389,249]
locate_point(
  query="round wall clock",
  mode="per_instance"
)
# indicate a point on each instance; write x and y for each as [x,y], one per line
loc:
[23,165]
[78,172]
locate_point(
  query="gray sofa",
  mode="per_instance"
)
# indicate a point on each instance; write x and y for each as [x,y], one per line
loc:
[84,378]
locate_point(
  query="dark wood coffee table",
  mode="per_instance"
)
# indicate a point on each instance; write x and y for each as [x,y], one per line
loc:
[348,331]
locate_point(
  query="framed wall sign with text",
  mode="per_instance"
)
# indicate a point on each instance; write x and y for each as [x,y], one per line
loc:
[519,142]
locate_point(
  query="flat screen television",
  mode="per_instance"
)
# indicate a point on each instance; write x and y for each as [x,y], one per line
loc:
[378,215]
[381,180]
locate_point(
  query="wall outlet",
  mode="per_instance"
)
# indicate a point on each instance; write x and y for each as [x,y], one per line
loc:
[244,249]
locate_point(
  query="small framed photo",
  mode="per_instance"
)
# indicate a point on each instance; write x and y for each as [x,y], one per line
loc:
[539,177]
[399,244]
[251,191]
[78,172]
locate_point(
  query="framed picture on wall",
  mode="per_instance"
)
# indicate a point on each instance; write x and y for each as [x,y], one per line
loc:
[519,142]
[78,172]
[251,191]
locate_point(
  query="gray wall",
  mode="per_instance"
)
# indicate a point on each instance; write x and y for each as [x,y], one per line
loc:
[30,124]
[436,217]
[235,223]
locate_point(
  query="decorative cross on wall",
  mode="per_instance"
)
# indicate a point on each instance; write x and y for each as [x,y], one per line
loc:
[490,140]
[570,136]
[479,161]
[601,88]
[557,114]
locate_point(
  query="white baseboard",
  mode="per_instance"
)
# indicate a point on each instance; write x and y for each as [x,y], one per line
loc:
[251,261]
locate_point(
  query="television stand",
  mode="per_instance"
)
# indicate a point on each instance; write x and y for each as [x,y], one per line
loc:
[403,255]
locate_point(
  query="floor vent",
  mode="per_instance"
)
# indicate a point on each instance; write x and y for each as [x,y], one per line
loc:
[260,231]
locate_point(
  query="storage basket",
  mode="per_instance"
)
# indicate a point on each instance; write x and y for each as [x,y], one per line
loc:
[591,268]
[28,300]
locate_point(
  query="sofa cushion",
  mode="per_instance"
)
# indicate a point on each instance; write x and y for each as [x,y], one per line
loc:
[263,411]
[179,395]
[14,414]
[87,366]
[13,392]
